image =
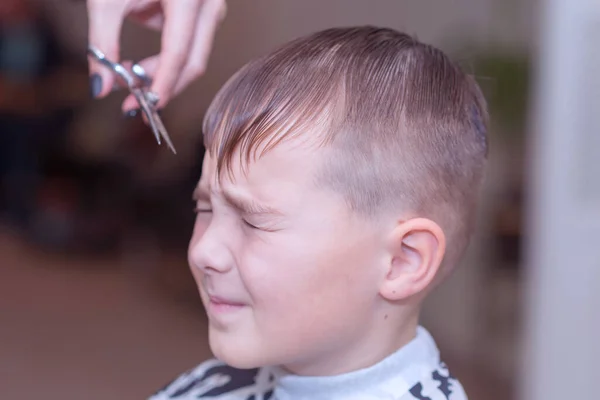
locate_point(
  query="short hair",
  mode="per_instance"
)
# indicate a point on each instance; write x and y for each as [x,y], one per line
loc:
[405,126]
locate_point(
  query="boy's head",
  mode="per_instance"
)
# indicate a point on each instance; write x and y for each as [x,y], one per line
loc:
[339,185]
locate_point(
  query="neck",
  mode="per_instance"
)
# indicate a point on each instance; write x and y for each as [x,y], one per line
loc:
[392,377]
[383,337]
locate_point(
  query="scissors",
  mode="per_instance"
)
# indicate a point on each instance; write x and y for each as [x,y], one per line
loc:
[138,84]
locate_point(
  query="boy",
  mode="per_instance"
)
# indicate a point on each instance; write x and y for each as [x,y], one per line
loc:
[338,189]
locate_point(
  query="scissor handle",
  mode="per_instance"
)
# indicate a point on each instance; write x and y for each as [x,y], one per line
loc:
[138,84]
[119,69]
[141,74]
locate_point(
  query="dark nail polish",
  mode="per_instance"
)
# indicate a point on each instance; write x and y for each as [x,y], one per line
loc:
[131,113]
[95,85]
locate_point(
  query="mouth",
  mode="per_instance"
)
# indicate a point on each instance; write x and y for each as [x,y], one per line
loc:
[220,305]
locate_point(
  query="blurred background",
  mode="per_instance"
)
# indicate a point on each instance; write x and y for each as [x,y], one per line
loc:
[96,300]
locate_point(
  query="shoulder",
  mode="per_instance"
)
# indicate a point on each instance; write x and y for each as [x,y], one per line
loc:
[214,379]
[439,384]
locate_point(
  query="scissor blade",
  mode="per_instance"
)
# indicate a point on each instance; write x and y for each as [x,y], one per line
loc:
[148,112]
[139,92]
[163,132]
[155,122]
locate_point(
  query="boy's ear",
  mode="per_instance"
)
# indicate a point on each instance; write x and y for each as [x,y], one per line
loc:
[416,249]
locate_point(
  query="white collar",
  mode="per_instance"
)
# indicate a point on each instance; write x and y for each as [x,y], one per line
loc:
[393,376]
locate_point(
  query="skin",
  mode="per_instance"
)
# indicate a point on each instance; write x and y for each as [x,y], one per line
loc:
[290,276]
[188,28]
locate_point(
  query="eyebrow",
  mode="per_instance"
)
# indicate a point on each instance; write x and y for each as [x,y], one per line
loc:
[241,203]
[248,205]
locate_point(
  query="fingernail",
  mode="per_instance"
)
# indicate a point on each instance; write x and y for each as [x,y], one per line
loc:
[95,85]
[131,113]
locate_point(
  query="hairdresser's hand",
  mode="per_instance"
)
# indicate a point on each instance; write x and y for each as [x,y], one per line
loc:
[188,28]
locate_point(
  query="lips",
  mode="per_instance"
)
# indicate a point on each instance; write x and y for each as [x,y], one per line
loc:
[222,309]
[220,301]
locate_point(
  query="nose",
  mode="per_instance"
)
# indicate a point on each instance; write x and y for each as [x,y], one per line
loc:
[208,250]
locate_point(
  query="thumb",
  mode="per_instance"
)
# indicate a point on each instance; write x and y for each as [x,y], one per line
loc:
[104,32]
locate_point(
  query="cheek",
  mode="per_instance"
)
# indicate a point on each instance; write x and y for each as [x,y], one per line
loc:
[306,279]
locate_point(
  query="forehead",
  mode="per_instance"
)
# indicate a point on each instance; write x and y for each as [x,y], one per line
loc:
[289,163]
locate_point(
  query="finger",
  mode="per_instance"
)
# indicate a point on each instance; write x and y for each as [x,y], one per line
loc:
[150,66]
[151,17]
[211,14]
[178,32]
[104,31]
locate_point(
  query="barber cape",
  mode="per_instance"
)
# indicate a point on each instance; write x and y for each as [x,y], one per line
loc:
[414,372]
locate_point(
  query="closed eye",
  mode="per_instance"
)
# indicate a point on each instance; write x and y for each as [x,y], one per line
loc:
[249,225]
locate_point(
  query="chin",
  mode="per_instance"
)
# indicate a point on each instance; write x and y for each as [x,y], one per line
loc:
[236,352]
